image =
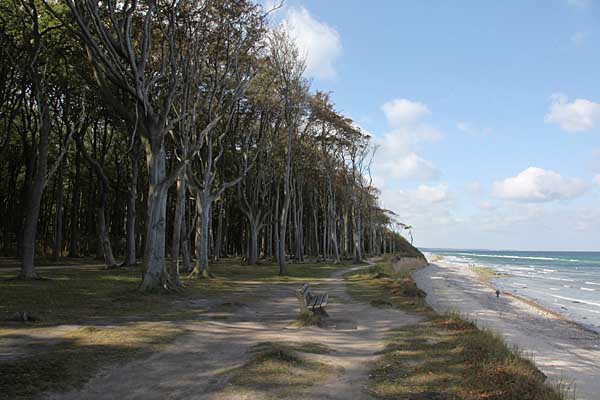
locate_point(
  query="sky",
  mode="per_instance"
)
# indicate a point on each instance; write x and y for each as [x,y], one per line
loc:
[486,114]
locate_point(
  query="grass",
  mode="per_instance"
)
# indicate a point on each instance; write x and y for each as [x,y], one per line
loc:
[277,370]
[90,317]
[77,356]
[381,286]
[315,317]
[73,296]
[445,356]
[486,274]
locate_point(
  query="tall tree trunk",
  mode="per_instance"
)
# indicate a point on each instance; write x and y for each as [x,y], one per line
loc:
[155,274]
[185,242]
[253,245]
[131,256]
[58,221]
[333,225]
[286,202]
[219,240]
[103,234]
[34,198]
[103,187]
[316,249]
[74,213]
[299,224]
[356,235]
[276,223]
[177,231]
[204,203]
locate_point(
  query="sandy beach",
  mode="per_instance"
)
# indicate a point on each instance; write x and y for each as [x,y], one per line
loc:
[563,351]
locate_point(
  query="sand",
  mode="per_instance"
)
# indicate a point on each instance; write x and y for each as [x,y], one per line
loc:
[563,351]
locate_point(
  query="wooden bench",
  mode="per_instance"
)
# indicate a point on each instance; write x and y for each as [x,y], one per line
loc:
[309,300]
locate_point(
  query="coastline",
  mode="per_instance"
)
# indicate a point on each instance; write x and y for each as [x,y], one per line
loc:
[563,349]
[496,283]
[556,314]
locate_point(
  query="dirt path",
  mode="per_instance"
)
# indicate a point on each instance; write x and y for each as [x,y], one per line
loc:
[194,366]
[561,350]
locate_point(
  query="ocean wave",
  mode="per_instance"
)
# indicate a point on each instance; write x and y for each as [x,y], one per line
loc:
[591,303]
[529,258]
[522,257]
[559,279]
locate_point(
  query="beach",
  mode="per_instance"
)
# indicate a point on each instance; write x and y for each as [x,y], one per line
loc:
[564,351]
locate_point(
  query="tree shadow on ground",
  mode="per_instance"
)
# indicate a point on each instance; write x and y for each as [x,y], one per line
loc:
[71,360]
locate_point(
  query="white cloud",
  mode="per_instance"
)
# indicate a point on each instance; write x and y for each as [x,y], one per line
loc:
[316,40]
[597,179]
[425,206]
[536,185]
[473,130]
[396,157]
[432,194]
[393,144]
[425,132]
[402,112]
[408,166]
[580,115]
[579,38]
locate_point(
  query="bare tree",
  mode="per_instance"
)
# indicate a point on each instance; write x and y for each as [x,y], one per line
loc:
[35,57]
[291,88]
[138,49]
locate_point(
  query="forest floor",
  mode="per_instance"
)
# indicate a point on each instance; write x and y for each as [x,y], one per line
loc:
[238,337]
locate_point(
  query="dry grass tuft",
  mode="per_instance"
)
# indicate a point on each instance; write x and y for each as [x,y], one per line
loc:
[311,318]
[486,274]
[277,370]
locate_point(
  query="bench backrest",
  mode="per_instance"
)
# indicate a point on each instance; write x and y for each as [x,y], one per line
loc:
[305,292]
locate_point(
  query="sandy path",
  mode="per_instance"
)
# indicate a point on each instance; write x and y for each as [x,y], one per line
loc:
[561,350]
[193,367]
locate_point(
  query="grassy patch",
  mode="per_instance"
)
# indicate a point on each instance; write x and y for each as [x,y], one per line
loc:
[486,274]
[444,357]
[118,323]
[297,347]
[77,296]
[279,369]
[77,356]
[308,319]
[449,358]
[381,286]
[73,296]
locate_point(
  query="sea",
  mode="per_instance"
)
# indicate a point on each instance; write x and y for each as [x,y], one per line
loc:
[566,282]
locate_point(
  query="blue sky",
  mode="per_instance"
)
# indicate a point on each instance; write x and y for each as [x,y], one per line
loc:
[487,114]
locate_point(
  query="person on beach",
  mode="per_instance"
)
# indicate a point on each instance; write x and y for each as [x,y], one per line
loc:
[497,293]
